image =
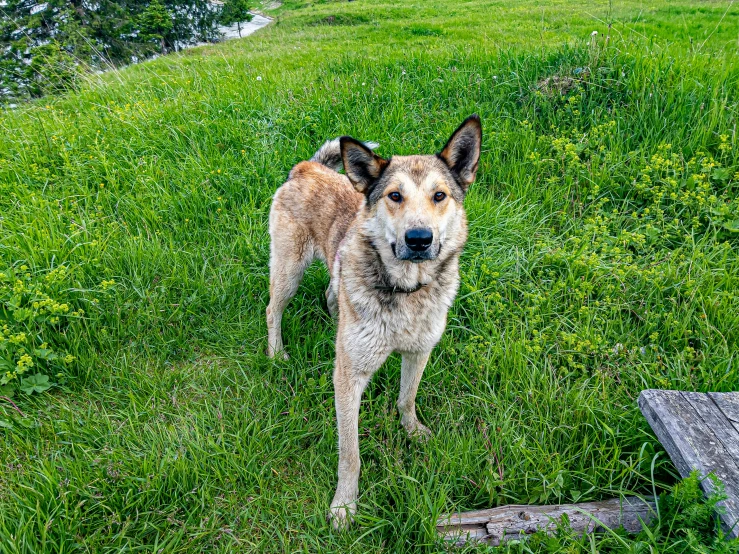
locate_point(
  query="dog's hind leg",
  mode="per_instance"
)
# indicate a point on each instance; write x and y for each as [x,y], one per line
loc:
[291,252]
[411,370]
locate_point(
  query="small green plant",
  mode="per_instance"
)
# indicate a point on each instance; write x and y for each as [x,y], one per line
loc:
[36,313]
[687,522]
[689,519]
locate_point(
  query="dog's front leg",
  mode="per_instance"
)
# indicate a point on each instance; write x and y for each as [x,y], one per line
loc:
[411,371]
[354,367]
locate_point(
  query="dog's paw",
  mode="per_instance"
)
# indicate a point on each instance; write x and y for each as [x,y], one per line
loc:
[341,516]
[418,430]
[281,354]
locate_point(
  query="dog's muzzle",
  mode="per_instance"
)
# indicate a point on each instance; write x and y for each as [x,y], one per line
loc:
[417,246]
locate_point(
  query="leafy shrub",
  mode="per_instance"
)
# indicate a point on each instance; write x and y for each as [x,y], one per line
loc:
[45,69]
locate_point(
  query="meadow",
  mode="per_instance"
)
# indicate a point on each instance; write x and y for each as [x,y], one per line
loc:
[603,259]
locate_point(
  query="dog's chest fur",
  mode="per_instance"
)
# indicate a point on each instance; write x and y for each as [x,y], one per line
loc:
[381,320]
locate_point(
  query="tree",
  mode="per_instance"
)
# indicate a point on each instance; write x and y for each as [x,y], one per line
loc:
[155,22]
[44,46]
[235,11]
[41,47]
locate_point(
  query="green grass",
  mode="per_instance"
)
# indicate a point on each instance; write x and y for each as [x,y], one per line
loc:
[602,260]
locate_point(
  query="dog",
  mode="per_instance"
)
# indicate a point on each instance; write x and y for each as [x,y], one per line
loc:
[391,232]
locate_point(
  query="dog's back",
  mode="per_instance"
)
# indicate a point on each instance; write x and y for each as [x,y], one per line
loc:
[316,205]
[310,216]
[315,208]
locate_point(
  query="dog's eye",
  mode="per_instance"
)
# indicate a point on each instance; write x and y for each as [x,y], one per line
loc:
[439,196]
[395,197]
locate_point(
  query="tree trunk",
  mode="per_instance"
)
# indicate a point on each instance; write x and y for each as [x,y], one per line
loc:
[238,24]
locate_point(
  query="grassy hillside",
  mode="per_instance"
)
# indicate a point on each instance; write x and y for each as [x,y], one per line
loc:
[133,244]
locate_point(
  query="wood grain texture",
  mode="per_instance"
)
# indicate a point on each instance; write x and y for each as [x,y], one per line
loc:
[728,403]
[497,525]
[700,432]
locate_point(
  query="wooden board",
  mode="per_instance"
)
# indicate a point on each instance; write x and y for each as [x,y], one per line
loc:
[700,431]
[497,525]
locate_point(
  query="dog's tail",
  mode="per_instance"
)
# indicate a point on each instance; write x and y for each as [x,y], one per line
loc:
[330,154]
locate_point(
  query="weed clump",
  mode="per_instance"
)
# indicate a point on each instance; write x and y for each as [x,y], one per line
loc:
[39,314]
[688,520]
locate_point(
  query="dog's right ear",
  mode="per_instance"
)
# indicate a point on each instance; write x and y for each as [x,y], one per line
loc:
[362,165]
[462,151]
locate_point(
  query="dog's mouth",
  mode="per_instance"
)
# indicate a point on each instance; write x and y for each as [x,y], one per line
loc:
[407,255]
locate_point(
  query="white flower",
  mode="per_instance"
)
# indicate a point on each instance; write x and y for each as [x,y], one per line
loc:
[259,77]
[593,33]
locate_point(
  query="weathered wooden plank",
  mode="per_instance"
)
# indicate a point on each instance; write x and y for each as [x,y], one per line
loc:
[728,403]
[726,440]
[497,525]
[698,435]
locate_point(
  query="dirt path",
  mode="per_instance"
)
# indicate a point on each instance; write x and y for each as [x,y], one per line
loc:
[247,28]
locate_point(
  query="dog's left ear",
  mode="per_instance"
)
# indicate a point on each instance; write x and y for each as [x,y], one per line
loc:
[462,151]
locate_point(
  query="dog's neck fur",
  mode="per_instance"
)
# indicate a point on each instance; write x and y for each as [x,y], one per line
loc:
[368,263]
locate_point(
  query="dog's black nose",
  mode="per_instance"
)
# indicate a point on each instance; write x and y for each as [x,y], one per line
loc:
[419,239]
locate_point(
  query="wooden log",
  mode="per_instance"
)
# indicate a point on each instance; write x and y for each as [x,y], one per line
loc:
[700,432]
[497,525]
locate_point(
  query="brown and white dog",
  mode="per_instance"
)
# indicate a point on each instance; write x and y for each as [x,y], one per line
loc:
[391,232]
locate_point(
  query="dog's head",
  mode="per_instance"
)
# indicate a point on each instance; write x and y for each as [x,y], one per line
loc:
[415,202]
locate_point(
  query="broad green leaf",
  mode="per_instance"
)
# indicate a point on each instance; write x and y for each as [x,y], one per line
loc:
[36,383]
[45,354]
